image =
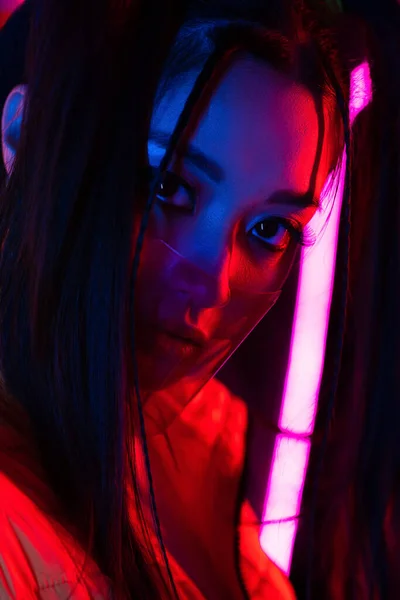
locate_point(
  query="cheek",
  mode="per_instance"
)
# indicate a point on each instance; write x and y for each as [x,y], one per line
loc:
[257,270]
[252,284]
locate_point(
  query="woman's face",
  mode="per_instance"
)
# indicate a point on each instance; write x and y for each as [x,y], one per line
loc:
[229,214]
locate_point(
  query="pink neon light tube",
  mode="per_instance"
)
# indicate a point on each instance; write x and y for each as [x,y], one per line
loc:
[299,403]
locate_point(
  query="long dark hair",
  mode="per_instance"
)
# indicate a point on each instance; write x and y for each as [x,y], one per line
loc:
[67,264]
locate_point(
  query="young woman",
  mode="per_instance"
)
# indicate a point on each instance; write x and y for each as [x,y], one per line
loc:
[152,213]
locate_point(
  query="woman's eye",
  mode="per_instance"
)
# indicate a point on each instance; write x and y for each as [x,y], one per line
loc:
[175,192]
[274,233]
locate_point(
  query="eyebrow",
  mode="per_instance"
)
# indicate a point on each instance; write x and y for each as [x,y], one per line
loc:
[215,172]
[306,200]
[193,155]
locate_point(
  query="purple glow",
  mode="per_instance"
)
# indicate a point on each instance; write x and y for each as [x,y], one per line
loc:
[360,90]
[300,398]
[311,318]
[299,404]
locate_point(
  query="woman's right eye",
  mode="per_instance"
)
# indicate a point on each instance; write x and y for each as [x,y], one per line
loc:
[174,191]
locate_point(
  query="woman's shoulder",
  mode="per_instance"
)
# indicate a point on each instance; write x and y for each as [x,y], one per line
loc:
[39,559]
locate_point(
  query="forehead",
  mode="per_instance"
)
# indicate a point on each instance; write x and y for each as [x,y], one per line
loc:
[259,125]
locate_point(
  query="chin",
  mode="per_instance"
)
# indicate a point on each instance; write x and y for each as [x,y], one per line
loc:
[158,373]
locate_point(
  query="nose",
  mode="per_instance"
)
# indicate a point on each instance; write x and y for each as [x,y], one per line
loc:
[205,284]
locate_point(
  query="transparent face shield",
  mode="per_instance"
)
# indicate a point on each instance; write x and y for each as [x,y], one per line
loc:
[277,457]
[190,320]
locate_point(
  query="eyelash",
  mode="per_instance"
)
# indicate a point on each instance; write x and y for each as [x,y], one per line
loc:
[302,235]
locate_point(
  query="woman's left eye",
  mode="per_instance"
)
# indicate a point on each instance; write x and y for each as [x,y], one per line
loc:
[276,233]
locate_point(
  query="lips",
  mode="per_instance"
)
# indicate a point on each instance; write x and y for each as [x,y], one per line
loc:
[186,334]
[171,338]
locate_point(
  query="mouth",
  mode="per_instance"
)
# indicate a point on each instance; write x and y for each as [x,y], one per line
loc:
[185,334]
[174,345]
[182,339]
[197,341]
[172,339]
